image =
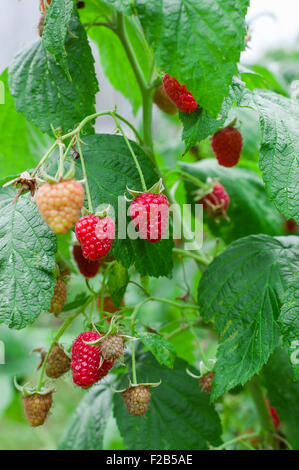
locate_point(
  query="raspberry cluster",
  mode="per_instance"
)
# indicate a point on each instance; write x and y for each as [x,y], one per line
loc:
[179,94]
[87,365]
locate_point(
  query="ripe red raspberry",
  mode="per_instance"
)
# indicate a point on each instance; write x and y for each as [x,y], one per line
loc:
[59,297]
[137,399]
[163,102]
[60,204]
[216,202]
[37,407]
[86,361]
[58,362]
[112,348]
[227,145]
[95,236]
[206,381]
[274,415]
[179,94]
[150,213]
[86,267]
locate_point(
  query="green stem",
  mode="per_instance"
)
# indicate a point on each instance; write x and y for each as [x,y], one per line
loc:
[132,153]
[190,254]
[200,348]
[90,208]
[134,375]
[97,115]
[174,304]
[262,410]
[237,439]
[122,33]
[61,161]
[146,90]
[44,158]
[63,328]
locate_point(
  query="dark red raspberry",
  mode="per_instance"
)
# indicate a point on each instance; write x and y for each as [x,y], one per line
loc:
[291,226]
[274,415]
[86,267]
[150,213]
[86,361]
[179,94]
[216,203]
[95,236]
[227,145]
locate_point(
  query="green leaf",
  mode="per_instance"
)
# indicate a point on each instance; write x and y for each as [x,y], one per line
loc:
[279,148]
[117,283]
[242,292]
[200,124]
[197,42]
[114,60]
[258,76]
[154,259]
[56,26]
[179,415]
[163,351]
[289,323]
[283,394]
[42,91]
[17,152]
[125,6]
[250,210]
[27,260]
[110,169]
[87,426]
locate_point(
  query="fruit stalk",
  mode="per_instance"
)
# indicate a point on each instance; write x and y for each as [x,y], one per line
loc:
[262,410]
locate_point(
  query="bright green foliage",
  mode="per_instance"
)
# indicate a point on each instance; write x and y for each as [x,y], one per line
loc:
[242,292]
[87,426]
[279,148]
[197,42]
[43,92]
[23,144]
[163,351]
[56,26]
[27,257]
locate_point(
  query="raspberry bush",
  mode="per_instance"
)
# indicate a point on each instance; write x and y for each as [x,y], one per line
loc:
[178,234]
